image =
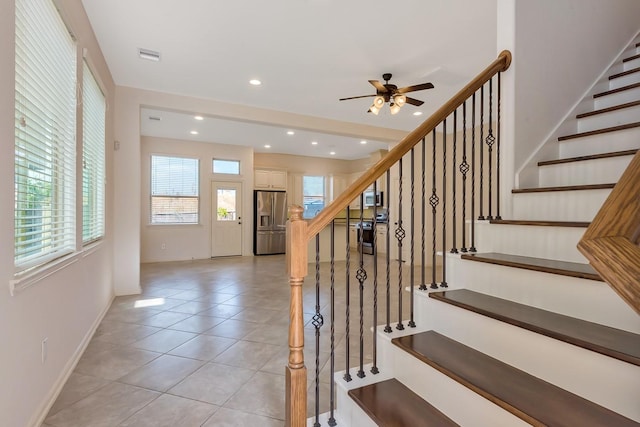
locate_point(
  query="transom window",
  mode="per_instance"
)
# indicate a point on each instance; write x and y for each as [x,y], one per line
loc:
[231,167]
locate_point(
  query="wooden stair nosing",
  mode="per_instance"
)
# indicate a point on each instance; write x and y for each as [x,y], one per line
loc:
[590,157]
[527,397]
[391,403]
[612,342]
[563,188]
[624,73]
[617,90]
[608,109]
[578,224]
[562,268]
[600,131]
[631,58]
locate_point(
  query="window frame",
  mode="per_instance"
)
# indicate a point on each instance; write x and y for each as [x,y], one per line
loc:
[322,197]
[213,166]
[176,197]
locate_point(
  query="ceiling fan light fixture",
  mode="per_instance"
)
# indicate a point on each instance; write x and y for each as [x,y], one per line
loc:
[395,108]
[378,101]
[400,99]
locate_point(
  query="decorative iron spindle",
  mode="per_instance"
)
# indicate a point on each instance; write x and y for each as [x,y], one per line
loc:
[473,173]
[361,276]
[481,215]
[489,141]
[443,284]
[412,323]
[374,367]
[464,168]
[347,374]
[498,151]
[423,212]
[433,201]
[454,249]
[387,327]
[400,234]
[332,359]
[317,324]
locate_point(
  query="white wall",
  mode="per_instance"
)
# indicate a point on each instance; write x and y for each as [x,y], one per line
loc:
[560,48]
[65,306]
[186,242]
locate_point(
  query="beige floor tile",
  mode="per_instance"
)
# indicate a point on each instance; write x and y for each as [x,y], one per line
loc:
[192,307]
[162,373]
[122,333]
[77,387]
[232,329]
[223,310]
[171,411]
[262,395]
[106,407]
[197,324]
[258,315]
[269,334]
[215,298]
[225,417]
[164,340]
[213,383]
[114,363]
[165,319]
[203,347]
[245,354]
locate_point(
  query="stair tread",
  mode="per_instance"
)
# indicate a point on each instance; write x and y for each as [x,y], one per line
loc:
[541,223]
[590,157]
[609,109]
[527,397]
[631,58]
[618,90]
[624,73]
[564,268]
[612,342]
[391,403]
[600,131]
[564,188]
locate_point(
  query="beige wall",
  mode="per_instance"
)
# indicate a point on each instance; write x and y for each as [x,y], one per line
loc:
[66,305]
[186,242]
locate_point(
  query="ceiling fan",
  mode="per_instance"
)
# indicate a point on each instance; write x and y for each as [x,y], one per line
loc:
[391,93]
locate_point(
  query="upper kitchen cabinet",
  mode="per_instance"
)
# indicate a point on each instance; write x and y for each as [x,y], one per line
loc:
[270,179]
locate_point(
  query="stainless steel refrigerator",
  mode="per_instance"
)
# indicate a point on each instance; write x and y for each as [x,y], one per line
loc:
[270,222]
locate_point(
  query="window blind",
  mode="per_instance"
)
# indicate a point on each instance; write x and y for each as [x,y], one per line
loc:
[93,157]
[45,108]
[174,190]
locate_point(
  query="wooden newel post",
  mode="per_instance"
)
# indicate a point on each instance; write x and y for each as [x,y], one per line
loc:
[296,372]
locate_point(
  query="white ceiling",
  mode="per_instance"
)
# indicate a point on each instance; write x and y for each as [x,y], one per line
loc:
[307,53]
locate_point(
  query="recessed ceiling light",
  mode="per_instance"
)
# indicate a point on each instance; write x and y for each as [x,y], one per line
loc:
[255,82]
[333,153]
[267,146]
[198,117]
[194,132]
[290,132]
[363,142]
[150,55]
[417,113]
[314,142]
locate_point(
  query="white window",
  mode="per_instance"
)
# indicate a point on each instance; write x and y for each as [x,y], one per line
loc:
[231,167]
[313,195]
[174,190]
[45,125]
[93,157]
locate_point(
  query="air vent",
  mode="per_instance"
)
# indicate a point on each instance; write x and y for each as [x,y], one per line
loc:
[157,119]
[150,55]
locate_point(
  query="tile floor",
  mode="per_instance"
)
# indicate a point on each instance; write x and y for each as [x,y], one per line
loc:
[205,344]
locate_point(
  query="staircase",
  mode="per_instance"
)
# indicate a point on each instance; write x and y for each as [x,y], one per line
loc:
[527,332]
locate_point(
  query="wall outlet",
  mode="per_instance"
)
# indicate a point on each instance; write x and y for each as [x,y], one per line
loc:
[163,246]
[44,350]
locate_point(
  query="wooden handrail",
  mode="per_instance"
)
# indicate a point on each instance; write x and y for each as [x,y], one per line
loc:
[611,241]
[354,190]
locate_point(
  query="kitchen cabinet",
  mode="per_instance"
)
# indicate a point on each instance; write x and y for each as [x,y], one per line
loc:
[337,185]
[381,238]
[269,179]
[353,237]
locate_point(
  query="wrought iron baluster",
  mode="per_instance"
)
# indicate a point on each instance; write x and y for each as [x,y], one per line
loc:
[347,375]
[387,327]
[498,150]
[454,249]
[443,284]
[400,234]
[361,276]
[473,173]
[481,214]
[374,367]
[412,323]
[332,359]
[490,141]
[317,324]
[464,168]
[433,201]
[423,212]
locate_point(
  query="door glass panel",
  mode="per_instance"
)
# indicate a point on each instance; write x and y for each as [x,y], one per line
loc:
[226,204]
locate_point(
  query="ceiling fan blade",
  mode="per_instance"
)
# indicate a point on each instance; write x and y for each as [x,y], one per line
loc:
[414,101]
[415,88]
[379,86]
[356,97]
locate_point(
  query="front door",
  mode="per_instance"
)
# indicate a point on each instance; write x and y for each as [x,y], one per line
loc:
[226,219]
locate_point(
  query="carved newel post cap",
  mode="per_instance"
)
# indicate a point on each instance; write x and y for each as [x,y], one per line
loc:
[295,212]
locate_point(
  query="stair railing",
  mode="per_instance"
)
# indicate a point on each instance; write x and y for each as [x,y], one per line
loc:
[472,150]
[611,243]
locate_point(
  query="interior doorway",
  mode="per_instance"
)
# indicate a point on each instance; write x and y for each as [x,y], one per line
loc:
[226,218]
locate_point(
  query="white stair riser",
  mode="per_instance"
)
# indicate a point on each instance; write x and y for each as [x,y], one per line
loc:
[627,139]
[616,98]
[630,65]
[589,300]
[597,171]
[579,205]
[621,81]
[605,120]
[614,384]
[558,243]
